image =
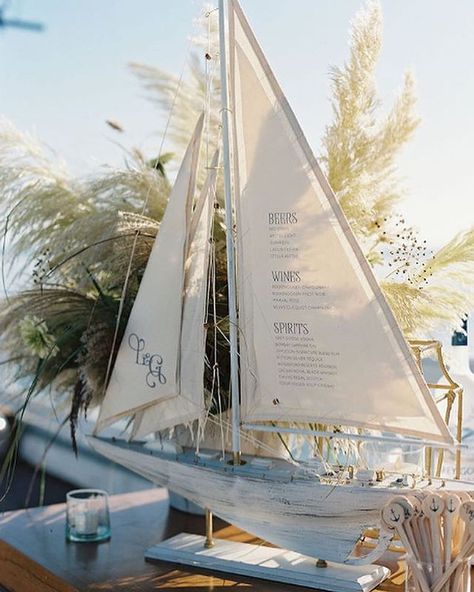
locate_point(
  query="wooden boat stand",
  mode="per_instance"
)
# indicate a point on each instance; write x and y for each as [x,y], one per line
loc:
[268,563]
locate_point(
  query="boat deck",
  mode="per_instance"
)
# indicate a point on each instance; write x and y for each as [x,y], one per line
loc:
[281,470]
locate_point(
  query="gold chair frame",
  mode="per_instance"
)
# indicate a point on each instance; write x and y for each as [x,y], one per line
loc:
[451,392]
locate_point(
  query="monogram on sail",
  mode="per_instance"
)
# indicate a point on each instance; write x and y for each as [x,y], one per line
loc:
[312,338]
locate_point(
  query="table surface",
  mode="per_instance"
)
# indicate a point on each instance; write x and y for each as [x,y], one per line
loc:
[34,555]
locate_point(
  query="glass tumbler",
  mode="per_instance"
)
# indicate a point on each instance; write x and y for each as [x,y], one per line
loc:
[87,516]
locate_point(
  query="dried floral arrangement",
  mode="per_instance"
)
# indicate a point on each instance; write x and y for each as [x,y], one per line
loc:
[58,326]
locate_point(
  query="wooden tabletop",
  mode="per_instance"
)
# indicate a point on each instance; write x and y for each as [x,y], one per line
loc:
[34,556]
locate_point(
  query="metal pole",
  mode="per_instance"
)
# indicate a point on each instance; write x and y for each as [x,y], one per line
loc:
[457,473]
[429,462]
[234,368]
[209,542]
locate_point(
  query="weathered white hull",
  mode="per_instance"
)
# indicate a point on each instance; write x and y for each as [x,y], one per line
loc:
[281,505]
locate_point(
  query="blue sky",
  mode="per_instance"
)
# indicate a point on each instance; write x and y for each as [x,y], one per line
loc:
[64,83]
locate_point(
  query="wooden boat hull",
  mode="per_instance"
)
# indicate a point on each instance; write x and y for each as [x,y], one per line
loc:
[317,519]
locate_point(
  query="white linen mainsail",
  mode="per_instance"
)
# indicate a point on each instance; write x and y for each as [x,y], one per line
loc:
[189,404]
[147,364]
[318,341]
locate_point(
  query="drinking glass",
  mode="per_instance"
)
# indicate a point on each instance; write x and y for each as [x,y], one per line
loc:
[87,516]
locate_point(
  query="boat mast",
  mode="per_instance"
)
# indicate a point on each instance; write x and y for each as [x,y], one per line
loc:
[231,288]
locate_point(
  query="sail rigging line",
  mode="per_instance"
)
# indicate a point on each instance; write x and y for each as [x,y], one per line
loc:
[348,436]
[207,96]
[211,288]
[251,372]
[210,278]
[210,74]
[119,316]
[239,353]
[135,240]
[216,384]
[247,436]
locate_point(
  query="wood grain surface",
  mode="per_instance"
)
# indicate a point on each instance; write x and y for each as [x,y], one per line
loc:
[35,557]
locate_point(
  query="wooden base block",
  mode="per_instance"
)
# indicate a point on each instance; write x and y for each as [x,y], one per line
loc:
[268,563]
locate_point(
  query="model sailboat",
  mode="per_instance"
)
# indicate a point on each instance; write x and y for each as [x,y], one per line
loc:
[317,341]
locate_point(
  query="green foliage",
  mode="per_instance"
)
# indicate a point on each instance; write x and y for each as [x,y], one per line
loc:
[36,337]
[437,294]
[71,240]
[49,215]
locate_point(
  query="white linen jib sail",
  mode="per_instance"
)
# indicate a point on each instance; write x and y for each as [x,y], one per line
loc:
[190,404]
[318,341]
[147,364]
